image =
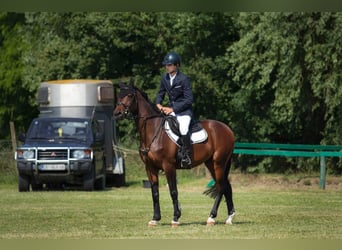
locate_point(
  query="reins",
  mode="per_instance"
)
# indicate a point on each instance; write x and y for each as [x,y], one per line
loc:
[142,131]
[145,150]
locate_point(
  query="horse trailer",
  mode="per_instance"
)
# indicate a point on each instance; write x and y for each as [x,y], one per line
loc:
[71,142]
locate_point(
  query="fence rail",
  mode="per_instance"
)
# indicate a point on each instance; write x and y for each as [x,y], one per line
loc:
[292,150]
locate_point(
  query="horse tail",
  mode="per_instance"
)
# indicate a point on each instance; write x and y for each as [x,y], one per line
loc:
[211,192]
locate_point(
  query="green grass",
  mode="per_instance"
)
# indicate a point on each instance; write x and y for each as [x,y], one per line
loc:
[268,207]
[123,213]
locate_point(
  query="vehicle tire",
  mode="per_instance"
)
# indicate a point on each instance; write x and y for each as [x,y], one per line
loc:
[23,183]
[100,183]
[36,186]
[119,180]
[109,180]
[116,180]
[89,180]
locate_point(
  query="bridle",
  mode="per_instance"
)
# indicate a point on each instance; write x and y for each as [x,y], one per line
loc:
[127,107]
[128,112]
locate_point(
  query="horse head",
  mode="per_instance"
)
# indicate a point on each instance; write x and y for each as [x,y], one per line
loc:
[130,100]
[126,101]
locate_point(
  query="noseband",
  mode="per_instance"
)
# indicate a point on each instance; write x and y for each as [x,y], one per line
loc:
[127,107]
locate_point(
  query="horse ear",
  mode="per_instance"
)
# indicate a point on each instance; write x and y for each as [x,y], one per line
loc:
[122,85]
[131,82]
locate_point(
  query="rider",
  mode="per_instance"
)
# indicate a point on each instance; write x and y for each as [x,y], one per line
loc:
[179,89]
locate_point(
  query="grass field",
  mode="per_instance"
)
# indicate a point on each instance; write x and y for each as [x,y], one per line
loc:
[268,207]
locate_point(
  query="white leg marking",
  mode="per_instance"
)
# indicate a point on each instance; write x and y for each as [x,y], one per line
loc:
[210,221]
[152,223]
[174,223]
[229,221]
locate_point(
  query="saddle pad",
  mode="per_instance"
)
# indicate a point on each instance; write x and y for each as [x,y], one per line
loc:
[196,137]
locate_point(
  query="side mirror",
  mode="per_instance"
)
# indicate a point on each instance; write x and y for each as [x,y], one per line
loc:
[22,137]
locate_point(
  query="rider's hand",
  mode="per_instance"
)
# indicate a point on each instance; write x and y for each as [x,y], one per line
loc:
[159,106]
[167,110]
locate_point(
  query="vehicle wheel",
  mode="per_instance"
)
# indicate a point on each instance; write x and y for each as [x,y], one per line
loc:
[119,180]
[109,180]
[116,180]
[100,183]
[24,183]
[89,180]
[36,186]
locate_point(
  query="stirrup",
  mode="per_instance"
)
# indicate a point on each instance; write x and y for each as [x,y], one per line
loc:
[186,162]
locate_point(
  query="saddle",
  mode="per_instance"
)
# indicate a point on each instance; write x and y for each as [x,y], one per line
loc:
[171,127]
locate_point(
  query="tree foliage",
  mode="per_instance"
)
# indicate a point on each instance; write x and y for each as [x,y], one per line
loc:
[15,102]
[286,70]
[273,77]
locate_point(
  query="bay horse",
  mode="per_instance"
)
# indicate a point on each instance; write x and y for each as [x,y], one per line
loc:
[158,152]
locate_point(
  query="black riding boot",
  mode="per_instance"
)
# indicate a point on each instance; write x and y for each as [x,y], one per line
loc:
[186,151]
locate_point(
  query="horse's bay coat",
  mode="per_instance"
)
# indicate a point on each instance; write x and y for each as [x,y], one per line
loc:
[158,152]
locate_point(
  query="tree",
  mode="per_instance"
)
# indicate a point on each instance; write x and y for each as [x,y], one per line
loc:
[14,96]
[95,45]
[281,76]
[286,75]
[202,39]
[273,77]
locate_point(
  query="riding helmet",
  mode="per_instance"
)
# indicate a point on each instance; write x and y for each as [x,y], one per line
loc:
[172,58]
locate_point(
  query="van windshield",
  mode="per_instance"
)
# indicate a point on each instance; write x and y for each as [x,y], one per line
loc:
[54,128]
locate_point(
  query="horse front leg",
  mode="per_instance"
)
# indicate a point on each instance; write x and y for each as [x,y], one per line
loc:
[153,178]
[172,183]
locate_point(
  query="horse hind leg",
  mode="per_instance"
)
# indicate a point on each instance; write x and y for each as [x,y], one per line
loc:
[228,194]
[213,213]
[213,193]
[230,205]
[223,187]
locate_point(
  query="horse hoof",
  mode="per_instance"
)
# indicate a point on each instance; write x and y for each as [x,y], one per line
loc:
[229,221]
[152,223]
[174,223]
[210,221]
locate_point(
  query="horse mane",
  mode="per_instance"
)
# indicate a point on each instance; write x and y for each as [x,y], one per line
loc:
[145,96]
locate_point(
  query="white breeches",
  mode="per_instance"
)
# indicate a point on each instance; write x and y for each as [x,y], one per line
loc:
[184,122]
